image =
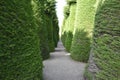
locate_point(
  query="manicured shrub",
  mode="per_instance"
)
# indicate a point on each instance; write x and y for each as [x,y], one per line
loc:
[55,29]
[104,62]
[38,8]
[70,27]
[84,22]
[65,24]
[50,14]
[20,57]
[50,33]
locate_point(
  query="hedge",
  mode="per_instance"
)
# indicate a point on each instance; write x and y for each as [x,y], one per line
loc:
[104,62]
[65,23]
[50,15]
[70,27]
[38,8]
[55,30]
[20,57]
[84,22]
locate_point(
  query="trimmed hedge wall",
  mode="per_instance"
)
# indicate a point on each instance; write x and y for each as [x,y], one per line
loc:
[55,30]
[52,25]
[65,22]
[70,27]
[20,57]
[84,23]
[38,8]
[104,62]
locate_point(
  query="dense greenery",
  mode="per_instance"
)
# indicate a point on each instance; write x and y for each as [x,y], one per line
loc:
[38,8]
[84,23]
[104,62]
[70,27]
[20,57]
[51,23]
[71,1]
[68,24]
[65,24]
[26,30]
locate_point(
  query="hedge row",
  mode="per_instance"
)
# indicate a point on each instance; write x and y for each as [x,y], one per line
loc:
[65,22]
[104,62]
[52,24]
[84,23]
[68,25]
[24,38]
[20,57]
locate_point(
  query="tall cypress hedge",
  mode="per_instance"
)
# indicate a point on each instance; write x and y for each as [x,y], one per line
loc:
[65,23]
[84,22]
[104,62]
[70,26]
[55,30]
[50,14]
[38,8]
[20,57]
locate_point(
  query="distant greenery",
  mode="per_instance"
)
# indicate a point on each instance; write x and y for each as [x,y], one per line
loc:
[105,53]
[65,23]
[51,23]
[71,1]
[68,25]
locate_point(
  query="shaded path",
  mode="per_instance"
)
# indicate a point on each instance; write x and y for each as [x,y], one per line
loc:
[61,67]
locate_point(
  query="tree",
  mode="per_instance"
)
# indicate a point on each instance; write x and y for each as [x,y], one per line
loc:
[104,59]
[84,22]
[20,57]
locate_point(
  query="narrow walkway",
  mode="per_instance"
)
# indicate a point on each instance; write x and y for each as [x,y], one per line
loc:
[61,67]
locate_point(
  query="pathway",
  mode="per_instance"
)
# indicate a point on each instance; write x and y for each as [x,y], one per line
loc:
[61,67]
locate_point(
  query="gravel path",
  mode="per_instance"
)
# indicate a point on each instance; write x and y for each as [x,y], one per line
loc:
[61,67]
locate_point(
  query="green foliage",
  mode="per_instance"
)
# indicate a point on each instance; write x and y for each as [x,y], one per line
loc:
[63,38]
[68,41]
[55,31]
[49,7]
[70,27]
[84,22]
[20,57]
[106,42]
[51,23]
[38,8]
[66,11]
[80,48]
[71,1]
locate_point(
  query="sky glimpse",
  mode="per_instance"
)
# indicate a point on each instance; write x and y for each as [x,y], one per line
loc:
[59,8]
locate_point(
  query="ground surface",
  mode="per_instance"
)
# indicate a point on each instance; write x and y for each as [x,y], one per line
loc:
[61,67]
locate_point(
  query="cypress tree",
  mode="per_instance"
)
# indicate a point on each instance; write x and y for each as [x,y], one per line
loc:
[70,26]
[65,24]
[104,62]
[50,14]
[20,57]
[84,22]
[38,8]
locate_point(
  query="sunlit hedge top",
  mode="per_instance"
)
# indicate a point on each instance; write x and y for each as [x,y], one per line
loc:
[66,11]
[71,1]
